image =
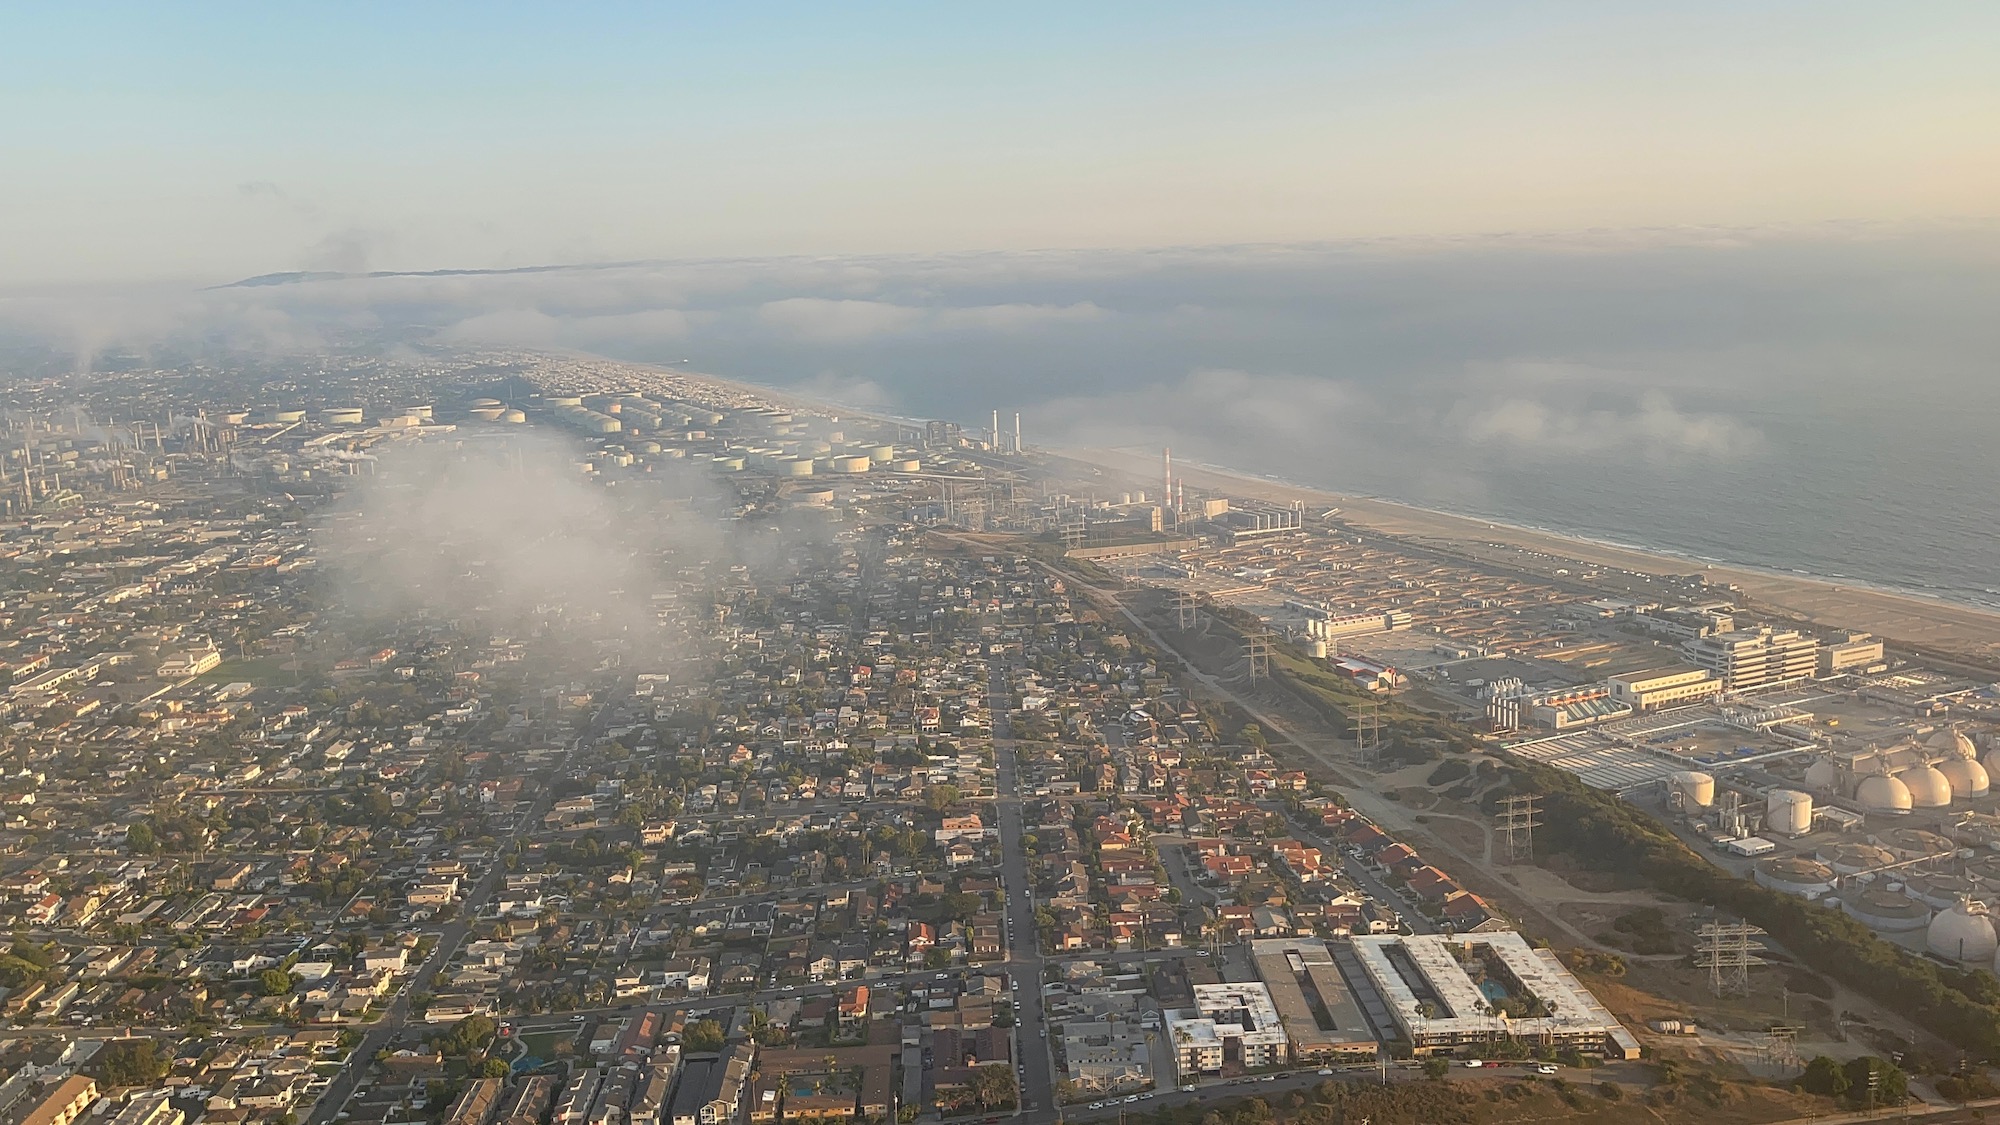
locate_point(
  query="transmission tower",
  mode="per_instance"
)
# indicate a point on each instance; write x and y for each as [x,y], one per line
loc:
[1368,731]
[1519,817]
[1073,535]
[1185,605]
[1727,951]
[1258,650]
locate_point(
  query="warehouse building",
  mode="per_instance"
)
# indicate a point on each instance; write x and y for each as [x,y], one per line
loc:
[1452,993]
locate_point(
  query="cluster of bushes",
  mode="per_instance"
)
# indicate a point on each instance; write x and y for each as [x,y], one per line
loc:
[1866,1082]
[1596,830]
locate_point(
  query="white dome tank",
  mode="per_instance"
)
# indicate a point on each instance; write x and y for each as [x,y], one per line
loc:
[1992,761]
[1929,789]
[1967,777]
[1952,742]
[1789,811]
[1696,789]
[1882,793]
[1823,776]
[1964,933]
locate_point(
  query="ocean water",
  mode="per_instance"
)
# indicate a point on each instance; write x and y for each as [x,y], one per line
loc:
[1887,486]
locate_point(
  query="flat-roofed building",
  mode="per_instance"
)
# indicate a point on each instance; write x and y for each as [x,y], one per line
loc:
[1754,658]
[1319,1014]
[1448,993]
[1229,1023]
[1664,687]
[1849,652]
[153,1107]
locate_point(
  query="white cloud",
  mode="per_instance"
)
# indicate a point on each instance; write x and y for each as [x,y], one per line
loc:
[1652,427]
[819,320]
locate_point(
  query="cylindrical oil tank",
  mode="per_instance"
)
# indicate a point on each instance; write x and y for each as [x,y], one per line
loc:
[1885,794]
[814,497]
[881,453]
[564,400]
[1964,933]
[1789,811]
[1929,789]
[906,465]
[1694,788]
[486,413]
[729,464]
[1795,875]
[1317,648]
[1849,859]
[285,416]
[423,412]
[1985,871]
[848,464]
[513,417]
[1880,908]
[341,416]
[794,467]
[1967,777]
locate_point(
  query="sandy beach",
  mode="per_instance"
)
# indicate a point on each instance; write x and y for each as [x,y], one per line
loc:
[1935,626]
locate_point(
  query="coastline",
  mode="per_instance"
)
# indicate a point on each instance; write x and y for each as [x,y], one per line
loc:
[1932,624]
[1935,625]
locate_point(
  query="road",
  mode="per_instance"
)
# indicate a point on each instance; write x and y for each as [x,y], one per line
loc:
[1035,1067]
[450,938]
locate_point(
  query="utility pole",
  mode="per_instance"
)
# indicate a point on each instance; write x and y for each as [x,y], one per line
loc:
[1185,605]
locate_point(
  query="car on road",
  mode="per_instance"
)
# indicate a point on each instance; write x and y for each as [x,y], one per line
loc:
[1474,1064]
[1268,1078]
[1547,1068]
[1097,1105]
[576,1019]
[1326,1070]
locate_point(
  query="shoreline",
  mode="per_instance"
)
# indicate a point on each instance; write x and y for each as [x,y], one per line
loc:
[1912,620]
[1909,619]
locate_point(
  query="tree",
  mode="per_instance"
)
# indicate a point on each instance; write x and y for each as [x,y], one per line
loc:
[495,1068]
[139,839]
[1875,1082]
[941,797]
[275,982]
[132,1062]
[1436,1068]
[703,1035]
[1824,1076]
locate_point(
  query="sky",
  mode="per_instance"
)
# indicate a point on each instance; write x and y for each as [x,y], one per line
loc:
[203,142]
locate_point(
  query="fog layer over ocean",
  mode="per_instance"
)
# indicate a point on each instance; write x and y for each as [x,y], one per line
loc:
[1820,400]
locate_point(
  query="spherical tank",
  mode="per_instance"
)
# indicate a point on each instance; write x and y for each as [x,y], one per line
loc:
[1992,761]
[1695,788]
[1822,776]
[1967,777]
[1964,933]
[1929,789]
[1789,811]
[1883,793]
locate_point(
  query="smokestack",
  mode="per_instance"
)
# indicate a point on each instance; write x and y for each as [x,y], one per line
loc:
[994,445]
[1017,431]
[1167,477]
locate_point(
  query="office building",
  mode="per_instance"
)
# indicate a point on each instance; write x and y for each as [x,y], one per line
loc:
[1745,659]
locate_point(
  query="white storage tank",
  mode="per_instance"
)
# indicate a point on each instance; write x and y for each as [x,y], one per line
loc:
[1317,648]
[1882,793]
[1964,933]
[1967,777]
[1789,811]
[1823,776]
[1929,789]
[1694,788]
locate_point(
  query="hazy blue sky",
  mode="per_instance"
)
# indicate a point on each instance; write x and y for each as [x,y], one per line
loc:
[207,141]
